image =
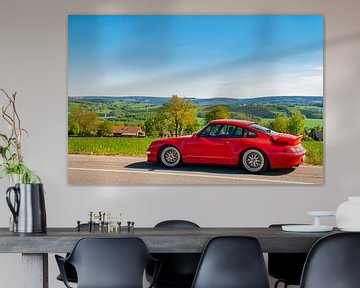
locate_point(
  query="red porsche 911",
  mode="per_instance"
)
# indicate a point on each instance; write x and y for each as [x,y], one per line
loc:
[230,142]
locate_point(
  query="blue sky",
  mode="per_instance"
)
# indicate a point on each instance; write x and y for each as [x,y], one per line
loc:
[201,56]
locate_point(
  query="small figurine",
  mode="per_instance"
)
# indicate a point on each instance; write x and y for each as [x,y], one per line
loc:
[78,226]
[90,221]
[130,226]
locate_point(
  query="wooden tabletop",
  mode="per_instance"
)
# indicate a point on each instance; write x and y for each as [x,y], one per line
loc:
[158,240]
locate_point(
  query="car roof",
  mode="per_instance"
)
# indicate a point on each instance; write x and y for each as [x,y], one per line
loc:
[232,122]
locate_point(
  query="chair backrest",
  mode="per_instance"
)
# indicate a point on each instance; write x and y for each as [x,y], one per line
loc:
[232,262]
[286,266]
[176,224]
[177,268]
[110,262]
[333,262]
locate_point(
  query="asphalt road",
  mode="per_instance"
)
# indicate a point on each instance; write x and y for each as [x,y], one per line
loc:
[113,170]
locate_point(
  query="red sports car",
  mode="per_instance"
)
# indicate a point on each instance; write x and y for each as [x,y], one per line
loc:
[230,142]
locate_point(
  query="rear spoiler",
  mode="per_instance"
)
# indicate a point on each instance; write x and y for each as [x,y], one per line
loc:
[287,138]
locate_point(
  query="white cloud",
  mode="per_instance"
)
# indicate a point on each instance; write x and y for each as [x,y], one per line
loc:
[252,80]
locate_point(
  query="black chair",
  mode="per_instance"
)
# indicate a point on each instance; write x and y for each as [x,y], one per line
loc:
[69,269]
[176,224]
[232,262]
[333,262]
[286,267]
[178,269]
[108,263]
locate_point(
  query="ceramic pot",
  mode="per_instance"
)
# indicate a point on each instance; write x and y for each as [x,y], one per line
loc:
[348,215]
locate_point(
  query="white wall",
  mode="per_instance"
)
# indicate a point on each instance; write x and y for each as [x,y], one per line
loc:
[33,62]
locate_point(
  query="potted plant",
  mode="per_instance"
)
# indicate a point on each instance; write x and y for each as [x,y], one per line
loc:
[26,197]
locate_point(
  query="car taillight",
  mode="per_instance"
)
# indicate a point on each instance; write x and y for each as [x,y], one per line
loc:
[290,150]
[294,149]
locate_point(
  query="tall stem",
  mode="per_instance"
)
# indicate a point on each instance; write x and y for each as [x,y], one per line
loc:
[15,125]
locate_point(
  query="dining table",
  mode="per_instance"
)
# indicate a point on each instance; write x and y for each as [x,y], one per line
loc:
[35,247]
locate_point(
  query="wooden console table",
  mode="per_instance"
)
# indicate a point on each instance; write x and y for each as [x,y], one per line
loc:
[35,247]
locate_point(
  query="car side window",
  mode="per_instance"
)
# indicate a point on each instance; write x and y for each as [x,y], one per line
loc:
[211,130]
[206,131]
[243,133]
[250,133]
[215,130]
[226,131]
[238,132]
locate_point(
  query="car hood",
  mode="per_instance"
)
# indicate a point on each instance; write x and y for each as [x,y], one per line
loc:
[173,139]
[286,138]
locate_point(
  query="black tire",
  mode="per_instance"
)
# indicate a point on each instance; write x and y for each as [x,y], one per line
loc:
[254,161]
[170,156]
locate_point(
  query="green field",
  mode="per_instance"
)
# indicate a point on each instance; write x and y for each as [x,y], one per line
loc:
[108,146]
[137,147]
[311,123]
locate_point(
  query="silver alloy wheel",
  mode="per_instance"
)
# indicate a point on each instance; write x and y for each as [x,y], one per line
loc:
[170,156]
[253,160]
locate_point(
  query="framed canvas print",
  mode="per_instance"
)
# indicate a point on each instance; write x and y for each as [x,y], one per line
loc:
[195,99]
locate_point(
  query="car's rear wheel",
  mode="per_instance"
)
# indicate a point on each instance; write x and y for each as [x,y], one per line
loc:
[170,156]
[254,161]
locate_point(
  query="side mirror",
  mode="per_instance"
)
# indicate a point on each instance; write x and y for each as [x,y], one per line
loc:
[194,135]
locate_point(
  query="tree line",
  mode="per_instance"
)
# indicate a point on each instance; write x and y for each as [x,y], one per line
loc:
[174,118]
[178,117]
[84,122]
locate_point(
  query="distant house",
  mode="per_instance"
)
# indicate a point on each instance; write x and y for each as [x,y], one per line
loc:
[317,135]
[134,131]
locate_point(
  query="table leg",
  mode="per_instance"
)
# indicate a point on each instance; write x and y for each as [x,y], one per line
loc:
[35,270]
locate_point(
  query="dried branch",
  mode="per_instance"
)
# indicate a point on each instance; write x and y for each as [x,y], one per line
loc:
[12,159]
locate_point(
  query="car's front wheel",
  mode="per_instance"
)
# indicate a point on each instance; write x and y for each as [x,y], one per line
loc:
[254,161]
[170,156]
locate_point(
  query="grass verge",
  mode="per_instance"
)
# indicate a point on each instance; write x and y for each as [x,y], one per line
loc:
[314,152]
[109,146]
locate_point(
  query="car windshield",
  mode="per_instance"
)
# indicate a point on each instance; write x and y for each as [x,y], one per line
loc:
[262,129]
